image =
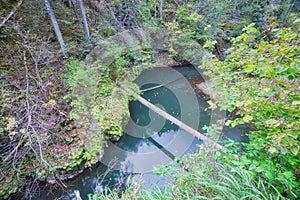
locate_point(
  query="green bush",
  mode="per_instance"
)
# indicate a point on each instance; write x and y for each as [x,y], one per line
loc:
[259,80]
[95,98]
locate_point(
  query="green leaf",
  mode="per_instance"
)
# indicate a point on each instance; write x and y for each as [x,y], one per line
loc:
[249,68]
[288,175]
[269,175]
[297,20]
[294,150]
[209,44]
[271,121]
[259,169]
[291,77]
[291,70]
[66,21]
[227,123]
[295,102]
[283,84]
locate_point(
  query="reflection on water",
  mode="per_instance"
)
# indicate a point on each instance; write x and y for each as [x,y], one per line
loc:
[148,138]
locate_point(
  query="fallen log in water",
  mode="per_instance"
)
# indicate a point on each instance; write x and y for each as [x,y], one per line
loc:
[174,120]
[178,122]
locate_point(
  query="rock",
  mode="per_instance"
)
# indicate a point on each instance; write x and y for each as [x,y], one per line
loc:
[72,175]
[99,156]
[205,88]
[114,140]
[42,179]
[51,181]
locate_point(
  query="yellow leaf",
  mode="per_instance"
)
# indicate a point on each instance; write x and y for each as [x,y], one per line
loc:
[266,89]
[228,122]
[247,118]
[277,124]
[247,102]
[272,150]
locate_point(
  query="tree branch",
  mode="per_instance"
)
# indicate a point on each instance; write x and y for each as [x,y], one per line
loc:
[11,13]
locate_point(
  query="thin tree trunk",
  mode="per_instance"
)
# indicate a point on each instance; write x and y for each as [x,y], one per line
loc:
[161,4]
[70,3]
[56,27]
[85,24]
[287,14]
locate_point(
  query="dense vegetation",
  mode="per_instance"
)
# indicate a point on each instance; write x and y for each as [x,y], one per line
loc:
[57,109]
[258,79]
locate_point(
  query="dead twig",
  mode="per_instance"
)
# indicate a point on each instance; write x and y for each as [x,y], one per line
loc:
[11,13]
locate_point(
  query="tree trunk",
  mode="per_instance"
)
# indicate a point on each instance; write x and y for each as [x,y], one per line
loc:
[85,24]
[70,4]
[56,27]
[161,4]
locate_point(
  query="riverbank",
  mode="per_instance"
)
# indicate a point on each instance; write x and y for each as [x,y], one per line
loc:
[132,154]
[108,113]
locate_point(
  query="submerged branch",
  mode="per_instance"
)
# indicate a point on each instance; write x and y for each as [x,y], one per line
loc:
[159,86]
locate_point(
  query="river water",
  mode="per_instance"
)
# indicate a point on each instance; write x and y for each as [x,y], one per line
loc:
[149,140]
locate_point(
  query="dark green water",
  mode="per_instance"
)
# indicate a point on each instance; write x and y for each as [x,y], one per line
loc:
[149,140]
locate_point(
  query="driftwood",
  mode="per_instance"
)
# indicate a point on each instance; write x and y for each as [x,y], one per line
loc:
[11,13]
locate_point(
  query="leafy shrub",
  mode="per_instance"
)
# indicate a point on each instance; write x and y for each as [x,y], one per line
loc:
[259,80]
[95,98]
